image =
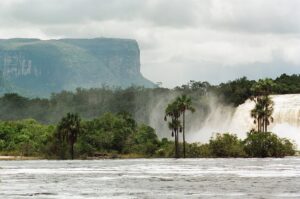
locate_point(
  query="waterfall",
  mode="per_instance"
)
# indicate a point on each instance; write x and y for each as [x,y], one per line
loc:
[238,120]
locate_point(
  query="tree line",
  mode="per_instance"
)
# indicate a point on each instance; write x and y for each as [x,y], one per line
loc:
[119,136]
[68,124]
[90,103]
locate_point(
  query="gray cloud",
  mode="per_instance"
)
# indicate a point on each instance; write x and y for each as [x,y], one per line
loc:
[271,16]
[179,40]
[164,13]
[253,16]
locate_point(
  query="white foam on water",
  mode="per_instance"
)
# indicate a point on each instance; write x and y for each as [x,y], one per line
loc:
[152,178]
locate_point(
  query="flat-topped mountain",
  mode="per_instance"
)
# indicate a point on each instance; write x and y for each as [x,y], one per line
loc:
[36,67]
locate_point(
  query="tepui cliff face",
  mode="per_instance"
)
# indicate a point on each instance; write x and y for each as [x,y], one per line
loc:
[35,67]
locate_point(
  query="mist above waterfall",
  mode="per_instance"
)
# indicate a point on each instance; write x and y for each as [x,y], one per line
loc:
[194,121]
[217,120]
[223,118]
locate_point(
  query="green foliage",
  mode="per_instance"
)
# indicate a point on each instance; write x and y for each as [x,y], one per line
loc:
[197,150]
[184,104]
[143,141]
[110,133]
[226,145]
[262,112]
[25,137]
[263,87]
[116,133]
[287,84]
[166,149]
[107,133]
[235,92]
[68,130]
[173,112]
[256,144]
[266,144]
[99,136]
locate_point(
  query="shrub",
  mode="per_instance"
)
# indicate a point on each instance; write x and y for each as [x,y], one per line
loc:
[197,150]
[267,144]
[143,141]
[166,149]
[226,145]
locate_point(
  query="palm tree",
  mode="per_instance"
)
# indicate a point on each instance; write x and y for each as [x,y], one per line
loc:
[184,104]
[173,113]
[262,112]
[175,127]
[267,112]
[256,113]
[68,130]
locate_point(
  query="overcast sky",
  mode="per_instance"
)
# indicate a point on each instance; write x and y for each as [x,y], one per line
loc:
[180,40]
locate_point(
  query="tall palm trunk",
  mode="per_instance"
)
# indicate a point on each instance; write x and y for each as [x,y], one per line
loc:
[61,147]
[266,125]
[183,133]
[61,152]
[261,125]
[72,150]
[176,144]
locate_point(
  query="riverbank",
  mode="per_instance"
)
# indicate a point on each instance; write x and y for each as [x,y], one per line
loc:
[122,156]
[3,157]
[97,157]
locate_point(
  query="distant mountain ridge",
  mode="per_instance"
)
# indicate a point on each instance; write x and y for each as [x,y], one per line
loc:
[34,67]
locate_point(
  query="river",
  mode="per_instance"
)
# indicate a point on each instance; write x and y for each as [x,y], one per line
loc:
[151,178]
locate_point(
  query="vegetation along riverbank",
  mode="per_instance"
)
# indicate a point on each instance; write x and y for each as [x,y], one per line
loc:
[113,123]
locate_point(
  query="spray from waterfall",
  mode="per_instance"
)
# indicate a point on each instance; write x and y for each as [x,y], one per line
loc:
[224,118]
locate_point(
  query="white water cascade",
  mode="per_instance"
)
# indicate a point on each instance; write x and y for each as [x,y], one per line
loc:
[238,120]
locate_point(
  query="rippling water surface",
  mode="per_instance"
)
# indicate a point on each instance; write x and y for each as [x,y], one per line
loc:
[151,178]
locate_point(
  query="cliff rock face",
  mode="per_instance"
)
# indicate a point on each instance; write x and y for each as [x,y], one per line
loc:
[35,67]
